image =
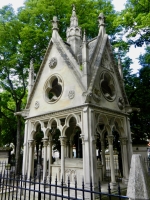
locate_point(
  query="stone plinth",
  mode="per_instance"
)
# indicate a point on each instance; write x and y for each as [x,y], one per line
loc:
[139,180]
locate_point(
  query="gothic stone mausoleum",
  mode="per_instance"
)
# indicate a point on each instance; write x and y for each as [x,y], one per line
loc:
[77,102]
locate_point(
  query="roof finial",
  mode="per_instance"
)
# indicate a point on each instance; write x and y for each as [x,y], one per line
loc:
[31,63]
[73,19]
[119,65]
[101,24]
[55,23]
[84,36]
[101,19]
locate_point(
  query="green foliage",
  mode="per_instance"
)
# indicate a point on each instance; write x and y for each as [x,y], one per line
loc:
[138,92]
[135,19]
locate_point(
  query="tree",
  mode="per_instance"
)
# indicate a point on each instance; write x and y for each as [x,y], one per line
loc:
[138,91]
[13,73]
[135,19]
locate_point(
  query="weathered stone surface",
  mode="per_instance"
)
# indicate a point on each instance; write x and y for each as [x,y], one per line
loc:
[139,181]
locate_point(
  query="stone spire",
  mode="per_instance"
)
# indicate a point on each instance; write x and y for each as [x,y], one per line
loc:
[101,19]
[85,60]
[55,26]
[74,33]
[31,77]
[73,19]
[119,65]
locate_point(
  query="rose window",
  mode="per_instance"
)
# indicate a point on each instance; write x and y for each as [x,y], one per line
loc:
[53,89]
[107,86]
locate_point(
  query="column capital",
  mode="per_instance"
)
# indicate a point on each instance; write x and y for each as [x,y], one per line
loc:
[82,138]
[45,142]
[50,142]
[62,140]
[110,139]
[123,140]
[31,143]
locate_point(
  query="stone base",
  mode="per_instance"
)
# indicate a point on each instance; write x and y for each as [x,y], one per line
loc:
[113,185]
[125,181]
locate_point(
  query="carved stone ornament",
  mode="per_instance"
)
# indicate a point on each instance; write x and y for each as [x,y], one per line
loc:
[110,139]
[123,141]
[96,95]
[120,103]
[71,94]
[36,105]
[52,62]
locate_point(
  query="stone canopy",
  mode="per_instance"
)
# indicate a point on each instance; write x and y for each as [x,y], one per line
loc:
[79,95]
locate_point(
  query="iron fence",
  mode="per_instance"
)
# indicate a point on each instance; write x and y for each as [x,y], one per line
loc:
[18,187]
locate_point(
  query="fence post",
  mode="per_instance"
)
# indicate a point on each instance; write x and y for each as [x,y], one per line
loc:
[139,180]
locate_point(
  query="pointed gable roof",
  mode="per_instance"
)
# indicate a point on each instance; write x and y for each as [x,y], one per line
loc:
[95,49]
[66,53]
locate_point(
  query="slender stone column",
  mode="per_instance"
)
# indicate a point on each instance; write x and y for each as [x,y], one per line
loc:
[110,141]
[71,148]
[33,152]
[86,124]
[45,143]
[83,151]
[31,142]
[50,157]
[103,156]
[25,149]
[129,145]
[67,149]
[63,144]
[124,156]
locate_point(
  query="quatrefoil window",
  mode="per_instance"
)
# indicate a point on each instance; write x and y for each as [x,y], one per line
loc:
[53,88]
[107,86]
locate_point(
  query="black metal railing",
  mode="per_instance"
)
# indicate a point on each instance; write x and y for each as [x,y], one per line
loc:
[18,187]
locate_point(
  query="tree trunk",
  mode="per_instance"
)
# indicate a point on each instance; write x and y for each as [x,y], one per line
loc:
[18,147]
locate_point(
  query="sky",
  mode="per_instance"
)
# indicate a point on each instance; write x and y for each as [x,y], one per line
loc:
[119,5]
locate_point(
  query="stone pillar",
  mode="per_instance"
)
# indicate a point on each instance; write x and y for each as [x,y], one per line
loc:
[83,150]
[45,143]
[129,145]
[39,162]
[50,157]
[31,142]
[93,158]
[110,141]
[71,148]
[33,152]
[124,159]
[139,180]
[25,149]
[103,157]
[63,144]
[67,149]
[86,148]
[94,173]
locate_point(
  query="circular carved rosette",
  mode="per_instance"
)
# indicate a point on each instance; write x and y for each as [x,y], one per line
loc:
[71,94]
[52,62]
[36,105]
